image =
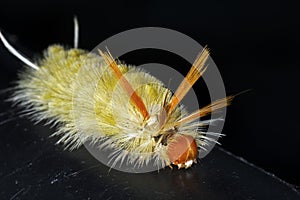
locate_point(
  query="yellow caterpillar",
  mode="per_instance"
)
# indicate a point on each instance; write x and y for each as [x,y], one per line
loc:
[93,98]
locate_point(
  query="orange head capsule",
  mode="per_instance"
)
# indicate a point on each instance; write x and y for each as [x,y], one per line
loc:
[182,150]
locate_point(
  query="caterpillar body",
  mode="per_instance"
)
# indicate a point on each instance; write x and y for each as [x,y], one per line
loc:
[92,98]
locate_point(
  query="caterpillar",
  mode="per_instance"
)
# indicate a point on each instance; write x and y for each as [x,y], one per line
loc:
[97,99]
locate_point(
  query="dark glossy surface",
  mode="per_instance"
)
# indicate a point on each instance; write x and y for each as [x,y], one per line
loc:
[32,167]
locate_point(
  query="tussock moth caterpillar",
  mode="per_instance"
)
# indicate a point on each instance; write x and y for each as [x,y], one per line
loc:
[95,98]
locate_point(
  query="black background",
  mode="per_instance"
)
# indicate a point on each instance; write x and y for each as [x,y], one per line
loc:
[255,45]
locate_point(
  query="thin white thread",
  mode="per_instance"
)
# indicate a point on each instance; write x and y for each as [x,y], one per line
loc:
[76,32]
[16,53]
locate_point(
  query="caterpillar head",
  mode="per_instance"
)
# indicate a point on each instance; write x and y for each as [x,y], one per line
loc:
[156,122]
[182,150]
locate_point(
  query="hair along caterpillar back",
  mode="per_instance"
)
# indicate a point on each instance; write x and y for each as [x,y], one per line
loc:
[94,98]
